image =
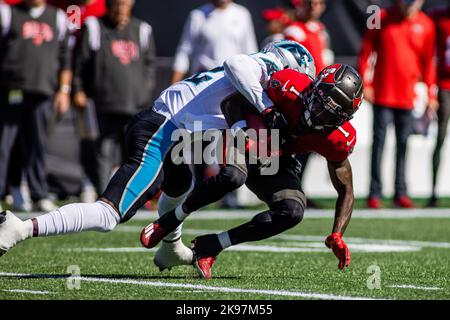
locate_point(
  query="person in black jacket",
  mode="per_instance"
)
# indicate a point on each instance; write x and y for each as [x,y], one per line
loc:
[35,74]
[114,66]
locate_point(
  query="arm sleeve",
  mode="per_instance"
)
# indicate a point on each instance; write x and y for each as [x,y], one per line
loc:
[429,65]
[63,38]
[187,43]
[246,75]
[82,54]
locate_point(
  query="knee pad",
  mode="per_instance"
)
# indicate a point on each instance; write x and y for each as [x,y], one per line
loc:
[263,217]
[283,215]
[289,212]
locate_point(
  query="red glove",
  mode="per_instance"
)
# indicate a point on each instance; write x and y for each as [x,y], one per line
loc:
[335,242]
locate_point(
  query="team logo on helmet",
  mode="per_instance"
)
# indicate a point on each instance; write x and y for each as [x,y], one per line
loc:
[303,57]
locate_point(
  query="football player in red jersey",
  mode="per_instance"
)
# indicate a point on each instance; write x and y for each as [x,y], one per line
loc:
[317,114]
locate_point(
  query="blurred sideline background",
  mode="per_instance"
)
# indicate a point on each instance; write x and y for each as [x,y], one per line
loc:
[345,20]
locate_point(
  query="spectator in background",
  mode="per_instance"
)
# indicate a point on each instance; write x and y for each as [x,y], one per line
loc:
[88,8]
[309,31]
[34,75]
[442,22]
[404,48]
[277,20]
[87,127]
[211,34]
[114,66]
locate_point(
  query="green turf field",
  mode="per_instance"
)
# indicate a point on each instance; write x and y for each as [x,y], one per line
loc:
[293,266]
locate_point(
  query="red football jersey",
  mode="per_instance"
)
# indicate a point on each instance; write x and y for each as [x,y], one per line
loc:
[286,89]
[442,20]
[313,36]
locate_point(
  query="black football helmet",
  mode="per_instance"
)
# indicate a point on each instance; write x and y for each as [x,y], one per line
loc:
[336,94]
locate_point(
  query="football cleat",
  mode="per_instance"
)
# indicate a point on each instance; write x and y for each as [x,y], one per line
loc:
[205,249]
[172,254]
[152,234]
[12,231]
[203,267]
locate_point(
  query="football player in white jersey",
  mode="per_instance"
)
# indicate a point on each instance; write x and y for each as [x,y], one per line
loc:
[149,139]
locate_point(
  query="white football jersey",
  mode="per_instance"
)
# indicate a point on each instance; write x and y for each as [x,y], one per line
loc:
[198,98]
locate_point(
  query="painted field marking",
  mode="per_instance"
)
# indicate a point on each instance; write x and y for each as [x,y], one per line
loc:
[284,293]
[309,214]
[27,291]
[408,286]
[312,238]
[295,248]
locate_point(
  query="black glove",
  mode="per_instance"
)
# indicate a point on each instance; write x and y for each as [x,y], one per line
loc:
[275,119]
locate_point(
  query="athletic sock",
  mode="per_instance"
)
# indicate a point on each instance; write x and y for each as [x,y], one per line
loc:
[78,217]
[28,229]
[180,213]
[167,203]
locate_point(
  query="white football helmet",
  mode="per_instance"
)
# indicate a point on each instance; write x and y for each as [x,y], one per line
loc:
[293,56]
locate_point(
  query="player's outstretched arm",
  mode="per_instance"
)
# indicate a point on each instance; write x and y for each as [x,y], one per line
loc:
[342,179]
[246,75]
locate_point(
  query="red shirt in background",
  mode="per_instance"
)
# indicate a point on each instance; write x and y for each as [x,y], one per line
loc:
[442,21]
[405,50]
[313,36]
[12,2]
[96,8]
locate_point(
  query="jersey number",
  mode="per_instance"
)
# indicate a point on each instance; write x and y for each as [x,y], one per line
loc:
[201,77]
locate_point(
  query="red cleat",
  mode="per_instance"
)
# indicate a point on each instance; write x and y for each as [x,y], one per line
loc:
[374,203]
[152,234]
[203,267]
[404,202]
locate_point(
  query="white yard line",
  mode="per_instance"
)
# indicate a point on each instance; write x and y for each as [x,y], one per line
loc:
[284,293]
[27,291]
[292,248]
[313,238]
[309,214]
[408,286]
